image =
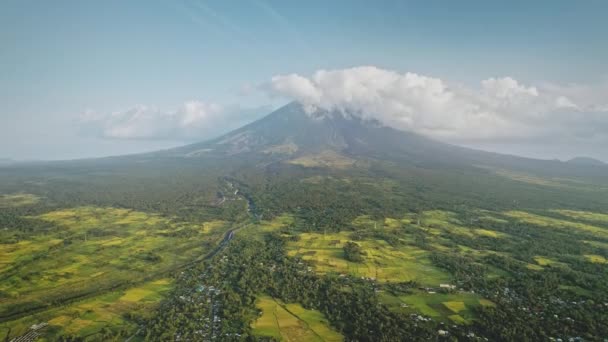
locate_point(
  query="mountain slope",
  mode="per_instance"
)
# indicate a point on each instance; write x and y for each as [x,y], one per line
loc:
[586,161]
[289,158]
[290,133]
[302,189]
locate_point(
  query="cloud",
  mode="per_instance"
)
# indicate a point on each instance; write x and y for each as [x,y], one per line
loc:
[193,120]
[498,109]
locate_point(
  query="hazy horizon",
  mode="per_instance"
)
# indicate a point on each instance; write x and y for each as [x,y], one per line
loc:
[522,78]
[127,147]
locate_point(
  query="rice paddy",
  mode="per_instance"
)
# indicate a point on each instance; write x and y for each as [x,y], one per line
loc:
[92,250]
[447,307]
[380,260]
[291,322]
[438,222]
[550,222]
[544,261]
[88,317]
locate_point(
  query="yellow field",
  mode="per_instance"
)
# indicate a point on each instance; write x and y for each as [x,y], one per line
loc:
[18,200]
[89,316]
[489,233]
[291,322]
[381,260]
[447,307]
[584,215]
[454,306]
[596,258]
[544,221]
[486,302]
[437,222]
[544,261]
[93,249]
[598,244]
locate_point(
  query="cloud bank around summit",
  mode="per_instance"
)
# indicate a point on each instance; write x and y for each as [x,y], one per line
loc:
[498,109]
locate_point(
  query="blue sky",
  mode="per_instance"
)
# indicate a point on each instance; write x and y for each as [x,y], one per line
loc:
[61,59]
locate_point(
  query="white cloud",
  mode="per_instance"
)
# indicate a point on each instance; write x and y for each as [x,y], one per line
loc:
[498,109]
[193,120]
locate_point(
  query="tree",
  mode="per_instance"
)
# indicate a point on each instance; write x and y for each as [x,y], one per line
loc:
[353,252]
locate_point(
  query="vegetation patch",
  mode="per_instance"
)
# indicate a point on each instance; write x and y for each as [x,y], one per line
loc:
[550,222]
[379,260]
[94,250]
[455,306]
[276,224]
[530,179]
[95,317]
[545,261]
[439,222]
[596,258]
[583,215]
[18,200]
[489,233]
[328,158]
[441,306]
[486,302]
[291,322]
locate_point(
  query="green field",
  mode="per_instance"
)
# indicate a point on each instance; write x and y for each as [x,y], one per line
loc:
[380,260]
[599,259]
[438,222]
[550,222]
[95,272]
[88,251]
[89,318]
[291,322]
[449,308]
[583,215]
